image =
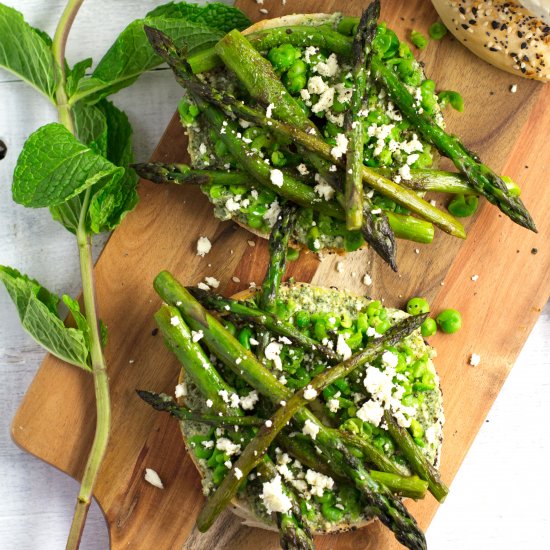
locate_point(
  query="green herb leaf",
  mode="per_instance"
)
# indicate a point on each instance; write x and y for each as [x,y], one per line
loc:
[191,26]
[111,202]
[54,167]
[91,127]
[80,320]
[76,74]
[37,308]
[217,16]
[25,52]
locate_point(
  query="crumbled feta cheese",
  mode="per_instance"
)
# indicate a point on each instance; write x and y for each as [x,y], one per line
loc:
[310,428]
[203,286]
[181,390]
[333,405]
[273,353]
[475,359]
[197,335]
[371,411]
[323,189]
[227,446]
[431,435]
[202,149]
[367,280]
[475,278]
[254,342]
[302,168]
[514,88]
[153,478]
[319,482]
[342,348]
[232,204]
[248,401]
[276,177]
[209,403]
[268,423]
[341,146]
[316,85]
[175,321]
[269,110]
[238,473]
[328,67]
[326,99]
[308,52]
[208,444]
[272,213]
[344,93]
[275,500]
[310,393]
[390,359]
[203,246]
[212,282]
[405,172]
[340,267]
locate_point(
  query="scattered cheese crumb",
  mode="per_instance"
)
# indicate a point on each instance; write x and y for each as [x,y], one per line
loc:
[196,335]
[203,246]
[342,348]
[340,267]
[153,478]
[276,177]
[175,321]
[269,110]
[310,393]
[514,88]
[251,243]
[272,352]
[275,500]
[209,403]
[235,279]
[310,428]
[227,446]
[212,282]
[333,405]
[371,411]
[181,390]
[341,146]
[302,168]
[203,286]
[319,482]
[475,278]
[248,401]
[323,189]
[268,423]
[238,473]
[367,280]
[475,359]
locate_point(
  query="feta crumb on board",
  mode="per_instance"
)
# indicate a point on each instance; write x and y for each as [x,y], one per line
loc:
[212,282]
[203,246]
[367,280]
[475,278]
[340,267]
[475,359]
[153,478]
[181,390]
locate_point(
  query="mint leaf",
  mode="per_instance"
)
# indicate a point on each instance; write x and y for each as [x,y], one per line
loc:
[37,308]
[76,74]
[217,16]
[80,320]
[131,54]
[90,127]
[25,52]
[111,202]
[54,167]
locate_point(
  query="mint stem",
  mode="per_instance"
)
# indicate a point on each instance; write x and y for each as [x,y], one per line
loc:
[84,240]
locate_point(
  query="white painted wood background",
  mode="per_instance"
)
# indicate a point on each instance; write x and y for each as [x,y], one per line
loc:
[499,498]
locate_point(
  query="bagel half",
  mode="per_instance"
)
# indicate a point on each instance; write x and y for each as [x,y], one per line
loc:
[505,33]
[248,505]
[199,140]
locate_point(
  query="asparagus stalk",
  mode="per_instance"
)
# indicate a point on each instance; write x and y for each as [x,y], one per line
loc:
[297,35]
[300,447]
[179,339]
[416,459]
[164,403]
[353,124]
[278,246]
[480,176]
[228,349]
[247,312]
[404,227]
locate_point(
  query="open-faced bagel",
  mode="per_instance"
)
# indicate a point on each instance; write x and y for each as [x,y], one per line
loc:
[196,138]
[505,33]
[240,506]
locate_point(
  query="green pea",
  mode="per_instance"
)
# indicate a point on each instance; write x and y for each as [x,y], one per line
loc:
[374,308]
[363,322]
[219,474]
[331,513]
[238,189]
[320,330]
[282,57]
[382,326]
[416,428]
[216,191]
[346,321]
[327,498]
[355,340]
[405,68]
[188,111]
[255,221]
[462,206]
[449,321]
[437,30]
[454,99]
[292,254]
[428,327]
[278,159]
[302,319]
[294,83]
[418,39]
[230,327]
[417,306]
[244,337]
[343,385]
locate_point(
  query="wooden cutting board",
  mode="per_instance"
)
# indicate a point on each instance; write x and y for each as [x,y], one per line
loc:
[56,418]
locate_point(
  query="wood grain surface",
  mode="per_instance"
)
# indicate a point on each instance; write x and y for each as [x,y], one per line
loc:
[508,130]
